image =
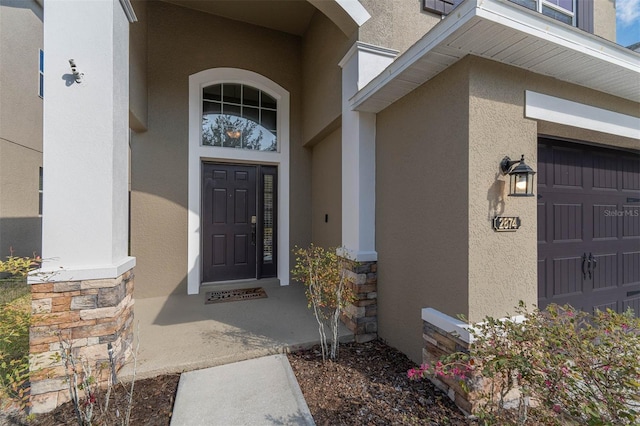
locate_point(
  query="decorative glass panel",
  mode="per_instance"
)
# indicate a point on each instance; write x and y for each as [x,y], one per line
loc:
[267,225]
[239,116]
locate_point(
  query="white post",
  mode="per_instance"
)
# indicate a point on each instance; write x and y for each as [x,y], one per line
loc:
[85,216]
[360,65]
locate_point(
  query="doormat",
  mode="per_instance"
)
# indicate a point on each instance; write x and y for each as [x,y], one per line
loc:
[235,295]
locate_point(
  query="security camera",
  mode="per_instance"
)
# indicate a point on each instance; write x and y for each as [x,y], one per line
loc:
[74,70]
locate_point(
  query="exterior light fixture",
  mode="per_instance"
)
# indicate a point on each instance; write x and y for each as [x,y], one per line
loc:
[520,177]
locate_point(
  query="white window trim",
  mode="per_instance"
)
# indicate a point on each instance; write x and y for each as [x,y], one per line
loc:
[562,10]
[199,153]
[562,111]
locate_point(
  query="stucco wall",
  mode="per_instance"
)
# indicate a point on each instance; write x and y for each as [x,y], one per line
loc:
[396,24]
[182,42]
[421,207]
[21,37]
[138,68]
[326,191]
[604,19]
[497,128]
[323,46]
[439,185]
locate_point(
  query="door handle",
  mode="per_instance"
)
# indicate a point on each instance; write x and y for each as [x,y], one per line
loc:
[592,264]
[584,261]
[253,230]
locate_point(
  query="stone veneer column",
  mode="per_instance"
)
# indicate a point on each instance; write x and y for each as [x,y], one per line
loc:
[444,335]
[87,315]
[361,317]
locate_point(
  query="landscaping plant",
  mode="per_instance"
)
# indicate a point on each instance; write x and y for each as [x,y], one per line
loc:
[88,399]
[328,293]
[569,367]
[15,318]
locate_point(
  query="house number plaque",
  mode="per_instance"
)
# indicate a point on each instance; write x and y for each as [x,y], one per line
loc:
[504,223]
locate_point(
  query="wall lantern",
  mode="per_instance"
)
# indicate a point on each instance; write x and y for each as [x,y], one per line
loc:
[520,177]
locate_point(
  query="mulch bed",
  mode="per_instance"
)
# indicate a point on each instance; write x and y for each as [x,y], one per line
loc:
[368,385]
[152,406]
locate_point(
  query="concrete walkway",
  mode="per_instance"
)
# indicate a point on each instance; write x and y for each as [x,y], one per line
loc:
[235,348]
[260,391]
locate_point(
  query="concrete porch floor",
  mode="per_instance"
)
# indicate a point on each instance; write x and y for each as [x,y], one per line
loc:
[180,333]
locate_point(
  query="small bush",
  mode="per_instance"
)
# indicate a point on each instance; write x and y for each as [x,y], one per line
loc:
[570,366]
[322,273]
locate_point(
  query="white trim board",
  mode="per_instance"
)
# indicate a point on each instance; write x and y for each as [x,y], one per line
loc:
[199,153]
[562,111]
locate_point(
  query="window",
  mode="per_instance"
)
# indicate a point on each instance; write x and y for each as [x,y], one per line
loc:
[562,10]
[441,7]
[40,73]
[239,116]
[40,192]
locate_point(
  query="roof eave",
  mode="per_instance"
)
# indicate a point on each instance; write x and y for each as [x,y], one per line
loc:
[505,32]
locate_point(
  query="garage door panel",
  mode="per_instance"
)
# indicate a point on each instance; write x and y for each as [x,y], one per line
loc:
[542,223]
[605,172]
[605,274]
[567,168]
[542,279]
[588,208]
[631,267]
[604,306]
[605,222]
[630,221]
[567,220]
[631,174]
[633,303]
[567,276]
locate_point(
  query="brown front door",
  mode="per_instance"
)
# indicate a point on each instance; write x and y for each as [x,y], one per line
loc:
[588,227]
[229,222]
[239,221]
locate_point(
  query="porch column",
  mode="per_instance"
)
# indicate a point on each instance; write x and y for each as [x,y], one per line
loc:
[82,296]
[360,65]
[86,134]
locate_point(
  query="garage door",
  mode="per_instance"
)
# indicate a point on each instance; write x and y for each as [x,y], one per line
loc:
[588,227]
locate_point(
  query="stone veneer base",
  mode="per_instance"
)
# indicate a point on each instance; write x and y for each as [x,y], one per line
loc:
[86,315]
[361,317]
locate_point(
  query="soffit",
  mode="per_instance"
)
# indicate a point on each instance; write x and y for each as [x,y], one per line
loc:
[289,16]
[505,32]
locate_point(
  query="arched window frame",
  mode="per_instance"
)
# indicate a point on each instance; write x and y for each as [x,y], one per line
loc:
[199,153]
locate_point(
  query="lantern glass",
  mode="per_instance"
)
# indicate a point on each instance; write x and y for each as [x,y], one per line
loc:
[521,179]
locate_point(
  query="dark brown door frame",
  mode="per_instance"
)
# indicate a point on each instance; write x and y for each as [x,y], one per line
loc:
[264,179]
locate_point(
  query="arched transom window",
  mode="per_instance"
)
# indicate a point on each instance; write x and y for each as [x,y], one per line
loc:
[239,116]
